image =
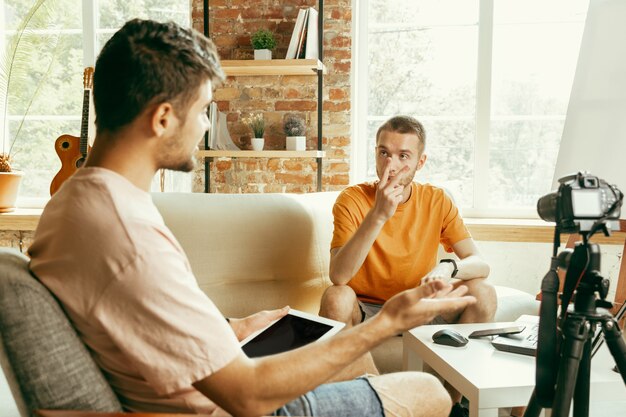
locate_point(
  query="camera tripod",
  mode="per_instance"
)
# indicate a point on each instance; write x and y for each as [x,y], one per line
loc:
[570,344]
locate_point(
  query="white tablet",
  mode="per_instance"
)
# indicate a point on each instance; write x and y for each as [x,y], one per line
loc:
[292,331]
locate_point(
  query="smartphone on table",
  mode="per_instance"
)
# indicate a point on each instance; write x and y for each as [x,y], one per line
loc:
[496,331]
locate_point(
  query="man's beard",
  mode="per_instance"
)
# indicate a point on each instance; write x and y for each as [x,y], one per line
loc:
[407,179]
[172,146]
[186,166]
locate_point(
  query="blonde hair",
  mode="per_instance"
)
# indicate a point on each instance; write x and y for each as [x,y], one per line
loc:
[405,124]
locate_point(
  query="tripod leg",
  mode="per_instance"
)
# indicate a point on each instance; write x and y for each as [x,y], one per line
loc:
[581,394]
[617,347]
[576,332]
[533,409]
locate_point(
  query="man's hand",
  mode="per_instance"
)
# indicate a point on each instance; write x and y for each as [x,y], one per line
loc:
[442,272]
[388,193]
[417,306]
[248,325]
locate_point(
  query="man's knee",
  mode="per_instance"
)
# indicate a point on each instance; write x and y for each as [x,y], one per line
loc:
[339,294]
[338,302]
[412,394]
[486,296]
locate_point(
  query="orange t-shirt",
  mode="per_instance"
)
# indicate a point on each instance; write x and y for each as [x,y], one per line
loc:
[406,248]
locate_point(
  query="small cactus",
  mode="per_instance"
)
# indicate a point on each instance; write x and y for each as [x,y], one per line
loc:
[294,126]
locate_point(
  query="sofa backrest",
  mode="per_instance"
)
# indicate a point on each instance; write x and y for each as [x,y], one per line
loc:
[254,251]
[46,364]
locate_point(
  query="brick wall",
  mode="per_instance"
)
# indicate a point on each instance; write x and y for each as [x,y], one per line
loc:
[231,23]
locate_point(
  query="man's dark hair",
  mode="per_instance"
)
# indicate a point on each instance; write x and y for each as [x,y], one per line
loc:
[405,124]
[148,62]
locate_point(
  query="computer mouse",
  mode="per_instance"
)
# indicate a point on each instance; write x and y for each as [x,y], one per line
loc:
[449,337]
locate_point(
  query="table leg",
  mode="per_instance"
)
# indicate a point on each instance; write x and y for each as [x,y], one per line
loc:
[474,411]
[411,361]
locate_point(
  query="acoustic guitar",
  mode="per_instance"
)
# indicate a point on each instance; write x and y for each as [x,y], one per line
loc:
[72,151]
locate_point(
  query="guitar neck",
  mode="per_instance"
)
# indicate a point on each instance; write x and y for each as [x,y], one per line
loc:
[84,126]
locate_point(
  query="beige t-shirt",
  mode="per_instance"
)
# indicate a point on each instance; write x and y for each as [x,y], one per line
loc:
[103,249]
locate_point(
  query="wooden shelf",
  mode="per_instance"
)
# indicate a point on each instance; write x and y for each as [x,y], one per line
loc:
[260,154]
[20,219]
[272,67]
[496,230]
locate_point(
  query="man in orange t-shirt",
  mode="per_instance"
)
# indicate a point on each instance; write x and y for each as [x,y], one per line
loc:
[387,235]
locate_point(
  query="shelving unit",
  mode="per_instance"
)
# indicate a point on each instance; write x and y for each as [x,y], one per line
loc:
[277,67]
[260,154]
[235,68]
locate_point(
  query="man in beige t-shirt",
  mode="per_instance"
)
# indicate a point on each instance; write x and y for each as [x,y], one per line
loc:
[102,248]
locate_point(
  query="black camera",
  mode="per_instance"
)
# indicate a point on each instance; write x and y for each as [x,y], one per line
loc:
[582,201]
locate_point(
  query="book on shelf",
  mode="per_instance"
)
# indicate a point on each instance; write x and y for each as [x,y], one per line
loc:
[219,137]
[302,36]
[295,36]
[304,43]
[312,48]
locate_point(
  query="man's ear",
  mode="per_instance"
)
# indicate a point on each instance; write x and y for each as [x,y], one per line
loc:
[162,118]
[422,161]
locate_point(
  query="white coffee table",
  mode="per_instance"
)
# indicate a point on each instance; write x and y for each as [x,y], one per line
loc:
[491,379]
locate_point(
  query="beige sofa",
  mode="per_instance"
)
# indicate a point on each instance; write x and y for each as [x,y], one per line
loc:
[261,251]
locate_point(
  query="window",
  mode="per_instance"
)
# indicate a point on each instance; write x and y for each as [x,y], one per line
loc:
[490,81]
[57,107]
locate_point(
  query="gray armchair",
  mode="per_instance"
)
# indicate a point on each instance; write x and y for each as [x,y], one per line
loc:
[46,364]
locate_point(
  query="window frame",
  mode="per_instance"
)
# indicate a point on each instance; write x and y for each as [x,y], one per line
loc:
[359,155]
[90,33]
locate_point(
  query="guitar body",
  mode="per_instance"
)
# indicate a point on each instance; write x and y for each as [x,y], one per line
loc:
[67,148]
[72,150]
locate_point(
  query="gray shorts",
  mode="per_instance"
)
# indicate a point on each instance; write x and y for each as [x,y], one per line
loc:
[368,310]
[353,398]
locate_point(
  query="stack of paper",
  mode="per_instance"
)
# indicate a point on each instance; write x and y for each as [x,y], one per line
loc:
[304,39]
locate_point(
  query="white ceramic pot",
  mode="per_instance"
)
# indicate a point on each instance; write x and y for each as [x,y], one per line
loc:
[257,144]
[262,54]
[296,143]
[9,186]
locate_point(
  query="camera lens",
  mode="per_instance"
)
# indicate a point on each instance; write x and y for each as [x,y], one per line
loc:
[546,207]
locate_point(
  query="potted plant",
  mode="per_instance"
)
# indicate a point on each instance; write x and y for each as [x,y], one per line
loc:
[256,123]
[15,69]
[294,129]
[263,42]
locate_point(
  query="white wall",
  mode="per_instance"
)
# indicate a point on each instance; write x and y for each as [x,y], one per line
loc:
[522,265]
[594,134]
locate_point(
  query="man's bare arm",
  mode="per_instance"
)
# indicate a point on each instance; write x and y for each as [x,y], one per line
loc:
[346,260]
[471,265]
[248,387]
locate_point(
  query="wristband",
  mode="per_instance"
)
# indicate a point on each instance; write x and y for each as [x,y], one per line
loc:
[453,262]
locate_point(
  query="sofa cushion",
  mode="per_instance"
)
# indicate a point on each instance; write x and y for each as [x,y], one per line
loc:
[50,363]
[513,303]
[254,251]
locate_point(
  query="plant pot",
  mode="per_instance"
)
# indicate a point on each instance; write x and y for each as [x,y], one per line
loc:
[262,54]
[9,186]
[296,143]
[257,144]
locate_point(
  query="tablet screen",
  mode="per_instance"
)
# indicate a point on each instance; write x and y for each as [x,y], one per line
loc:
[290,332]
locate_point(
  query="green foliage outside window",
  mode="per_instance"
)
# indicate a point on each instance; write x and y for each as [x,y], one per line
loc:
[57,108]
